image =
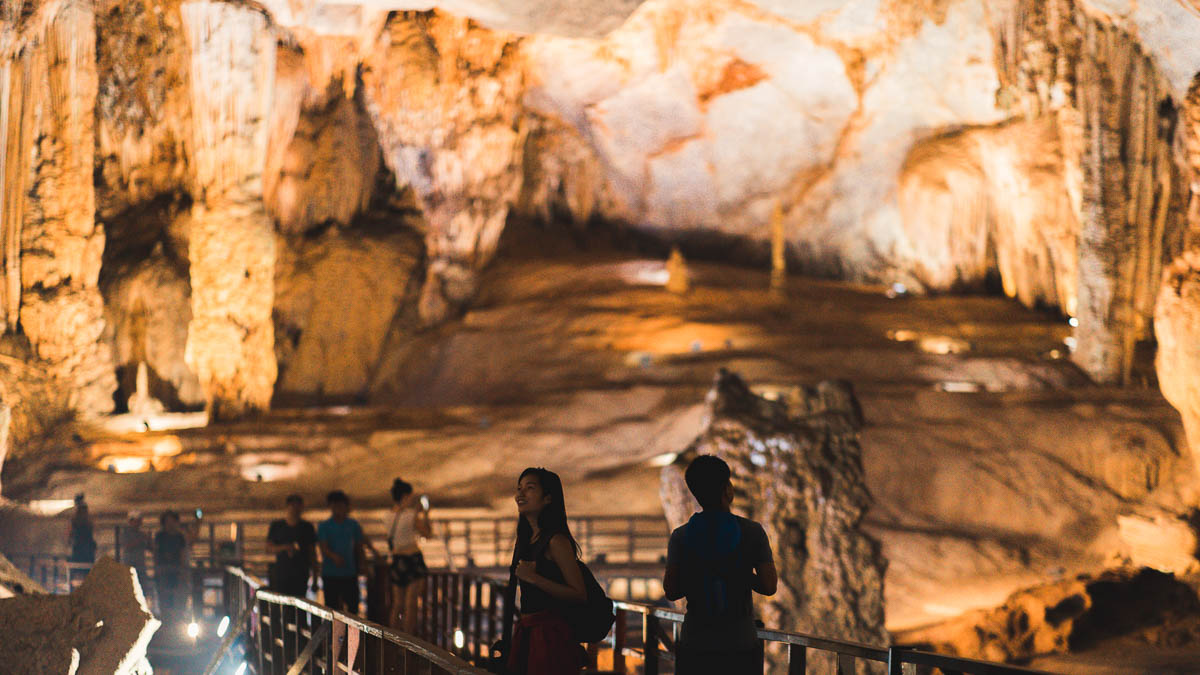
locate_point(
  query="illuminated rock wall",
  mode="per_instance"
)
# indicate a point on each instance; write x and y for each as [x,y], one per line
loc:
[938,144]
[52,245]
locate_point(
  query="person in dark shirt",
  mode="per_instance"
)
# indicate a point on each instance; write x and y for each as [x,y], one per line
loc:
[83,542]
[293,541]
[134,543]
[716,560]
[170,566]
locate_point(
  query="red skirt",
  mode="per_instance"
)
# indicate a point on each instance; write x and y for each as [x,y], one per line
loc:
[542,645]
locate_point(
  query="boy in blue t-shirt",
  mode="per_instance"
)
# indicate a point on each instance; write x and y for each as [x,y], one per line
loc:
[341,542]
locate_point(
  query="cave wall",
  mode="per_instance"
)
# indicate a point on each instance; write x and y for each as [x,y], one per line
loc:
[52,244]
[937,144]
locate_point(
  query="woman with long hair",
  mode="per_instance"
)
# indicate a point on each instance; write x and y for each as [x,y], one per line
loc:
[547,567]
[407,571]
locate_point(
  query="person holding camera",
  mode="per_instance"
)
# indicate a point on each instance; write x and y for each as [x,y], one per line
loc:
[406,569]
[343,551]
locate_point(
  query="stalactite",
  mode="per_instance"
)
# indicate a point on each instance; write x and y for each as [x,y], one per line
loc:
[1061,59]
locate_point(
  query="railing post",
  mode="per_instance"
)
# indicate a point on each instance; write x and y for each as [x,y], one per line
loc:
[894,664]
[632,526]
[845,664]
[464,615]
[650,643]
[798,659]
[620,628]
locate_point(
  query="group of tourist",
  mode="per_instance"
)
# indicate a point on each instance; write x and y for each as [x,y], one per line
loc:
[716,560]
[343,553]
[171,547]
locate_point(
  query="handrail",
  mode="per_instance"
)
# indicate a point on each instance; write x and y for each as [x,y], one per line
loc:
[410,643]
[654,633]
[283,623]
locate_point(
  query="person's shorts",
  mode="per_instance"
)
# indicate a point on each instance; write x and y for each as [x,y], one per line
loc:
[405,569]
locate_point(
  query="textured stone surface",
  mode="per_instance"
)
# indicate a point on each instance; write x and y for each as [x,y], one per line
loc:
[797,469]
[147,312]
[335,300]
[1177,327]
[445,98]
[1068,615]
[231,337]
[103,628]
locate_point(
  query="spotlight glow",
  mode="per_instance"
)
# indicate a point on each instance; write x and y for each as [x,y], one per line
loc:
[241,669]
[193,630]
[223,626]
[459,639]
[1073,322]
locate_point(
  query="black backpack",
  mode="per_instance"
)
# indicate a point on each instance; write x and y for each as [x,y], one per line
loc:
[590,621]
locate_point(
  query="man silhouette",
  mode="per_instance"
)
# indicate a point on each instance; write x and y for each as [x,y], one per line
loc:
[716,560]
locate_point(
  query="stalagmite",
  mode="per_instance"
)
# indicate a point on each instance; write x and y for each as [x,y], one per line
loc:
[677,273]
[778,251]
[1177,326]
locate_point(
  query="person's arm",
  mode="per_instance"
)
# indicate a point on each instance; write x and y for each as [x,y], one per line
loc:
[327,553]
[365,543]
[563,555]
[671,586]
[312,554]
[673,575]
[766,579]
[422,524]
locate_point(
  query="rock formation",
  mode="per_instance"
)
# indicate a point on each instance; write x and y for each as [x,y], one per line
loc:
[797,469]
[1071,614]
[1063,167]
[102,628]
[1177,327]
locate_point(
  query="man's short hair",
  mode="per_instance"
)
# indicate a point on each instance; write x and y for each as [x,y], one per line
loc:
[294,499]
[707,476]
[337,497]
[167,515]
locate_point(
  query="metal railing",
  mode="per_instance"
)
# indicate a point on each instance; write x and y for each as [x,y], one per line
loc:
[282,635]
[463,614]
[456,542]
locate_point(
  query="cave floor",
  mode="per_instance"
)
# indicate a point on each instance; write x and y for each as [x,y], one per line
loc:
[994,462]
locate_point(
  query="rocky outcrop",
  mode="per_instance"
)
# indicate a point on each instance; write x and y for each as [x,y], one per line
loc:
[1067,615]
[102,628]
[797,469]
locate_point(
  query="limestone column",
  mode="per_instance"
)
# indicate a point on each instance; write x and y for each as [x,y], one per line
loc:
[231,249]
[52,243]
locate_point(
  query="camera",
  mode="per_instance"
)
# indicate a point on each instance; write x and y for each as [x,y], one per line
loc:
[425,502]
[199,514]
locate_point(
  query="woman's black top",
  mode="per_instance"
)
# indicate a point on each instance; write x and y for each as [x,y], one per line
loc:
[534,599]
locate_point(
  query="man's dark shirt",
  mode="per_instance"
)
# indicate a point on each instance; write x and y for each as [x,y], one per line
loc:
[716,554]
[169,549]
[293,565]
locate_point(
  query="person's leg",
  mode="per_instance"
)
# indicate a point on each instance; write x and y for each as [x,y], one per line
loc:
[412,596]
[330,592]
[353,595]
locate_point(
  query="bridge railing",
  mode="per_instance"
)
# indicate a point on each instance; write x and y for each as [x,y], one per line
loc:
[281,635]
[463,615]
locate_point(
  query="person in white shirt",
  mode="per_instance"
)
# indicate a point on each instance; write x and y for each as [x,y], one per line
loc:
[407,571]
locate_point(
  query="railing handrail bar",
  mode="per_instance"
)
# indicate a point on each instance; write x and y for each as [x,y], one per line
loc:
[253,582]
[430,652]
[923,658]
[856,649]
